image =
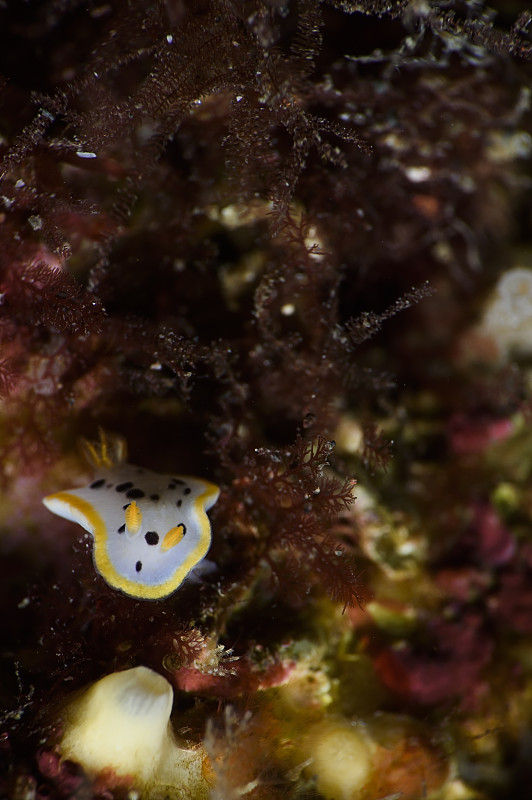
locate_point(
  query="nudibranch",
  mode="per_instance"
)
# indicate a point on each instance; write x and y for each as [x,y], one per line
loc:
[150,530]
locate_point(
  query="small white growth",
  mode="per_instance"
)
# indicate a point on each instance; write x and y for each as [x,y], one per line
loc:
[35,222]
[288,309]
[418,174]
[508,316]
[314,244]
[349,435]
[506,146]
[84,153]
[341,758]
[122,723]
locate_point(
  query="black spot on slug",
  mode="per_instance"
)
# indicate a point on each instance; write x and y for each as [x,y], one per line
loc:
[138,566]
[134,494]
[179,503]
[97,484]
[187,491]
[152,537]
[121,529]
[123,487]
[154,496]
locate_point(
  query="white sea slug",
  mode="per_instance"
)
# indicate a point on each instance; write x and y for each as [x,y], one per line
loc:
[150,530]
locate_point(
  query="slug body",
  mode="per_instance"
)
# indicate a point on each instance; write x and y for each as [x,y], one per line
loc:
[150,530]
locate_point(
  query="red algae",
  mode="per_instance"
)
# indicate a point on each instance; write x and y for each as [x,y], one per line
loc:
[463,653]
[243,680]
